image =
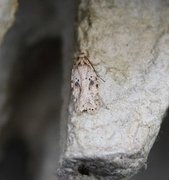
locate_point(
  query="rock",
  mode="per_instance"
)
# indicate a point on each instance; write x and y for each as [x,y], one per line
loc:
[128,44]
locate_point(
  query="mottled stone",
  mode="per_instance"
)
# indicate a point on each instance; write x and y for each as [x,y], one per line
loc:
[128,45]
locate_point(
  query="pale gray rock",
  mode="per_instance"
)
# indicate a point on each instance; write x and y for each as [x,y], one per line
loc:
[128,44]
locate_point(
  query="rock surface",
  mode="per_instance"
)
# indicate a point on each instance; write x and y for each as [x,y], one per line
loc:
[128,44]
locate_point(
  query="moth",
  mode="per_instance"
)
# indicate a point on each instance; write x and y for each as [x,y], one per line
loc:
[84,84]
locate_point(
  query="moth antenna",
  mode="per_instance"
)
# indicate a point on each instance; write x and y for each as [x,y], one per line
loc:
[100,78]
[95,70]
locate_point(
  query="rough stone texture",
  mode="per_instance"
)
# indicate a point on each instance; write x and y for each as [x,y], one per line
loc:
[128,44]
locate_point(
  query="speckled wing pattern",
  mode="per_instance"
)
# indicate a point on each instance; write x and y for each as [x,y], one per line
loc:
[84,84]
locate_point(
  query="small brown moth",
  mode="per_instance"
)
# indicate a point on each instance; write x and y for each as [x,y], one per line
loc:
[84,83]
